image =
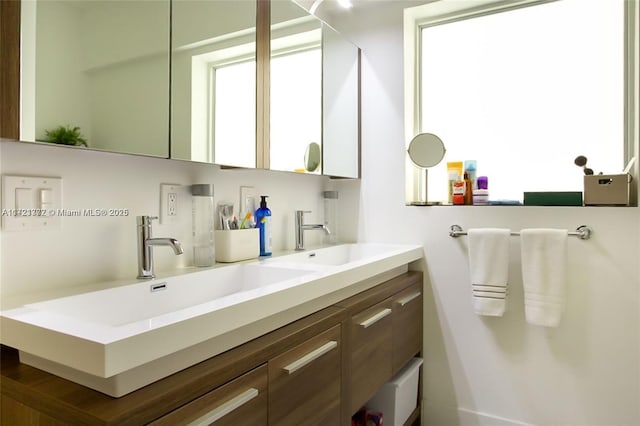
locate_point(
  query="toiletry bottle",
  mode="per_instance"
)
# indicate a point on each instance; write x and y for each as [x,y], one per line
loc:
[458,192]
[481,195]
[468,191]
[471,167]
[454,174]
[263,219]
[203,229]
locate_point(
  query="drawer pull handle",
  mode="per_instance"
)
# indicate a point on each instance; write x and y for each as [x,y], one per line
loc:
[408,299]
[310,357]
[225,408]
[374,319]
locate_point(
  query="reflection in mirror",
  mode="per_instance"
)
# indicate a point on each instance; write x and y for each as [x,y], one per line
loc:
[99,66]
[296,85]
[213,110]
[312,157]
[340,105]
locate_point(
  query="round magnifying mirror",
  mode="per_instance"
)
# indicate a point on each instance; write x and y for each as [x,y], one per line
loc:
[426,150]
[312,157]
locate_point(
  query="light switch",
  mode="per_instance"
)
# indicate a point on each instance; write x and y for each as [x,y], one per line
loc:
[46,198]
[24,199]
[31,203]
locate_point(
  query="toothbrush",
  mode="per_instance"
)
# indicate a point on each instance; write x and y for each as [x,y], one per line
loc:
[246,217]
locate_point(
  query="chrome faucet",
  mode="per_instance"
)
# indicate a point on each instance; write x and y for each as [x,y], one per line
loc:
[301,227]
[145,244]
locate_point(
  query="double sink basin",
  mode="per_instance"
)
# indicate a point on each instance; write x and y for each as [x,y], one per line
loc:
[124,337]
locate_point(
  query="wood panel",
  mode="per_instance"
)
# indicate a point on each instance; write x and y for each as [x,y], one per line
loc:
[407,325]
[10,75]
[14,413]
[250,413]
[310,395]
[371,354]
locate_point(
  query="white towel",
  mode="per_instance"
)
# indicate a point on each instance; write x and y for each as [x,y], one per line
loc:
[489,269]
[544,274]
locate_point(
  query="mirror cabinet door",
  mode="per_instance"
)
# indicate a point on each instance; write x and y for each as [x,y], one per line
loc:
[213,82]
[340,105]
[96,74]
[295,87]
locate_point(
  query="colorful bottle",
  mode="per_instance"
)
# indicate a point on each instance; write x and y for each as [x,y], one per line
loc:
[481,195]
[471,167]
[263,219]
[468,190]
[454,173]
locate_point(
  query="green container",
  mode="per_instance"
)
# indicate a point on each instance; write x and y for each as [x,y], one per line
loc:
[571,198]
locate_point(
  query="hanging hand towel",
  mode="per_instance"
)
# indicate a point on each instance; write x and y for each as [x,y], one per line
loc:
[489,269]
[544,259]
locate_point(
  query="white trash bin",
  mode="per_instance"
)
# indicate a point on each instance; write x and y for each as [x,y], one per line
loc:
[397,398]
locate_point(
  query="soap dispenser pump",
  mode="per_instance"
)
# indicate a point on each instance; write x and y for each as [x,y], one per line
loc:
[263,219]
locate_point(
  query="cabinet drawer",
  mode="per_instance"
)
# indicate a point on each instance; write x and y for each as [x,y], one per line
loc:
[371,352]
[241,401]
[407,325]
[304,382]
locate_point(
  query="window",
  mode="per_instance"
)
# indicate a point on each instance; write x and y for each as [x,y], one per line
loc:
[234,114]
[523,92]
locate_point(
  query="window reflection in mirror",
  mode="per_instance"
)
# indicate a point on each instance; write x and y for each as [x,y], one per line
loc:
[527,91]
[296,86]
[340,105]
[213,82]
[100,66]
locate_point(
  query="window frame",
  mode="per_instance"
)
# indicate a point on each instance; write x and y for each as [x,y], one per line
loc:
[444,11]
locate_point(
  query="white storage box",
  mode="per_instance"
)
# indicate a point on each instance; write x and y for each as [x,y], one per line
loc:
[237,245]
[397,398]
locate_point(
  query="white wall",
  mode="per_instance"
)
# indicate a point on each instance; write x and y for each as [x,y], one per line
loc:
[498,371]
[89,250]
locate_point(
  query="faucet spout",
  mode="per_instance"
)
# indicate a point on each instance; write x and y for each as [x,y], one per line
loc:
[171,242]
[145,246]
[317,226]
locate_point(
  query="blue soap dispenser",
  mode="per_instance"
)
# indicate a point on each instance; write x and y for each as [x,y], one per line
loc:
[263,219]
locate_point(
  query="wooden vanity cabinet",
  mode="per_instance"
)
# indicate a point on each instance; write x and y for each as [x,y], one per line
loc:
[407,325]
[242,401]
[383,332]
[371,352]
[304,382]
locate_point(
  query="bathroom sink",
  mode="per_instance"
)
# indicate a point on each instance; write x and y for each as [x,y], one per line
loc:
[337,255]
[125,336]
[162,300]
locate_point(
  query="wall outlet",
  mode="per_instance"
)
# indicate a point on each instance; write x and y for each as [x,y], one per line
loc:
[247,199]
[169,211]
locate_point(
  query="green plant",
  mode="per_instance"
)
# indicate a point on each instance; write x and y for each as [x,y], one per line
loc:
[66,135]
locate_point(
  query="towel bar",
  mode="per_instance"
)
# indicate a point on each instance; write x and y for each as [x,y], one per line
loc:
[583,232]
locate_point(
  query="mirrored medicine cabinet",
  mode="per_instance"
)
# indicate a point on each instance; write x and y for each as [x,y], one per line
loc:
[255,84]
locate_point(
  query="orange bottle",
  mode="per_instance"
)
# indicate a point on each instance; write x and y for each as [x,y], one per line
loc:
[468,193]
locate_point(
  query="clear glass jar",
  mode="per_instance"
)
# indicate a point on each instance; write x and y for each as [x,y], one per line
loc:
[203,225]
[331,216]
